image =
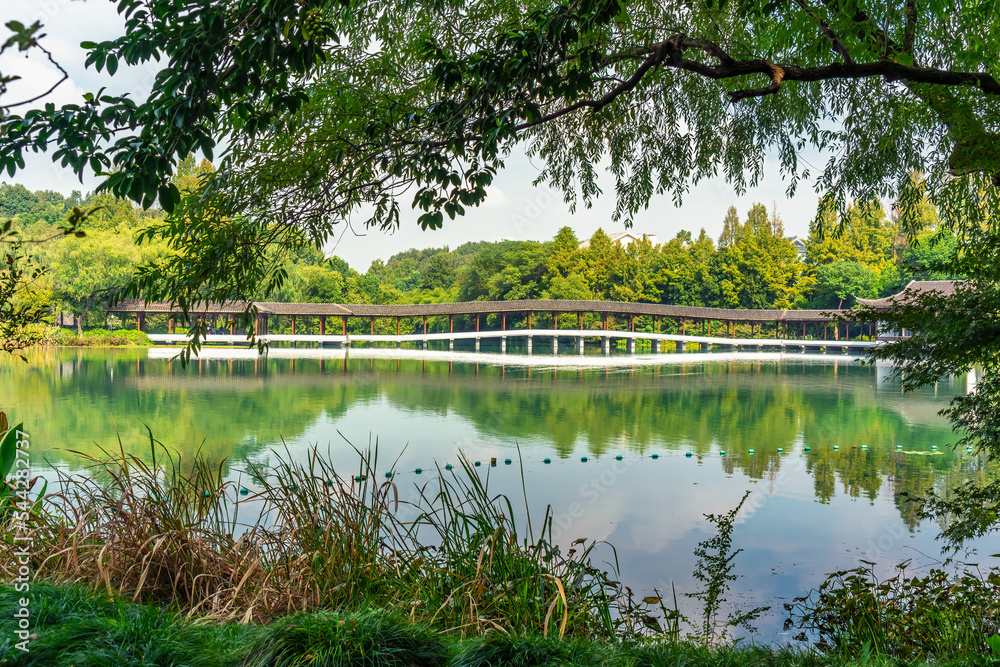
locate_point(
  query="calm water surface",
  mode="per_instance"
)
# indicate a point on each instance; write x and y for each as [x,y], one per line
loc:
[829,499]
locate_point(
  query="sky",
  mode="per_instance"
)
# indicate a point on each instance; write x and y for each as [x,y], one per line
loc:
[514,208]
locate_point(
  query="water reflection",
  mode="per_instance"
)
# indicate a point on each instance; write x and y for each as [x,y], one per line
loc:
[834,447]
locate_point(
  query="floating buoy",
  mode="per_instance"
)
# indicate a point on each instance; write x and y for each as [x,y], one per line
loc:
[583,459]
[478,464]
[750,452]
[208,494]
[388,475]
[448,466]
[836,448]
[656,456]
[506,462]
[807,449]
[543,461]
[722,452]
[968,448]
[618,458]
[418,470]
[899,446]
[864,447]
[329,482]
[244,491]
[358,478]
[780,450]
[933,446]
[687,454]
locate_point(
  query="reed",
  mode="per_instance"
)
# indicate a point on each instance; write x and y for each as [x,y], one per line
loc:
[170,532]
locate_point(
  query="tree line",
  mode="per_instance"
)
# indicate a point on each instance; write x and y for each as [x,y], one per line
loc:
[751,265]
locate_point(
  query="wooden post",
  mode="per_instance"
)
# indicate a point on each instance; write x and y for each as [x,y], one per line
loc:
[397,325]
[605,321]
[803,330]
[555,321]
[503,321]
[293,325]
[232,327]
[529,319]
[683,326]
[477,322]
[344,323]
[579,320]
[372,320]
[632,329]
[170,324]
[322,325]
[425,325]
[709,328]
[451,324]
[657,324]
[140,321]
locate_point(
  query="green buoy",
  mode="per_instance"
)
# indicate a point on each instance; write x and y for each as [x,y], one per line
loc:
[583,459]
[506,462]
[547,461]
[750,452]
[656,456]
[418,470]
[618,458]
[244,491]
[687,454]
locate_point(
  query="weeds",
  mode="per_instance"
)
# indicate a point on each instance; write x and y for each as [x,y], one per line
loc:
[170,534]
[854,613]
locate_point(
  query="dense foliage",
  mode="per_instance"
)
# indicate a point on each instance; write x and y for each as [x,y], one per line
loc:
[753,266]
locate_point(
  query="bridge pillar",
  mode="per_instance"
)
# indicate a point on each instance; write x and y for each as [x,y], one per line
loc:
[477,340]
[451,344]
[706,347]
[605,345]
[425,343]
[656,345]
[529,340]
[631,345]
[503,345]
[555,345]
[579,344]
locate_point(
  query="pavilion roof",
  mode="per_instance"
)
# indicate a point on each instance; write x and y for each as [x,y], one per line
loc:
[912,290]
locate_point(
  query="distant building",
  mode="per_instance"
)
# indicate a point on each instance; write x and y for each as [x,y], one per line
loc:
[624,239]
[800,245]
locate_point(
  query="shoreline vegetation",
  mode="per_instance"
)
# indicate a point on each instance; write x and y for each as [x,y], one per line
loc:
[156,560]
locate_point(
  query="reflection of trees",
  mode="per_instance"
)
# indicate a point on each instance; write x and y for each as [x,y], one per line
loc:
[230,408]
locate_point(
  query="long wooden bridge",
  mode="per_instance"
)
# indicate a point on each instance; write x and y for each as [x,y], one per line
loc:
[527,320]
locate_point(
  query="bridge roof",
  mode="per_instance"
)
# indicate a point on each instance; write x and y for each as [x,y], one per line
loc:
[487,308]
[912,290]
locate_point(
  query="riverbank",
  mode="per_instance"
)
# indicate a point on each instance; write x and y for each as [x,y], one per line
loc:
[70,625]
[446,577]
[99,338]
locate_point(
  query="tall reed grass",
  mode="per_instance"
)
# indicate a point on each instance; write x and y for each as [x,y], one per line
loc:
[177,533]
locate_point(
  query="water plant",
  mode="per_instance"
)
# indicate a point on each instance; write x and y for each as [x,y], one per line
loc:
[173,532]
[855,613]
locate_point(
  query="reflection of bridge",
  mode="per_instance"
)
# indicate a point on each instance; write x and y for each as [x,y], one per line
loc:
[529,336]
[733,327]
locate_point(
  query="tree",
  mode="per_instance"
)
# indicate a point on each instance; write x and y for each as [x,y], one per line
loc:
[438,273]
[841,282]
[730,228]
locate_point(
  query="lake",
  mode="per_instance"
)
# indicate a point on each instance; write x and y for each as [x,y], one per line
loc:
[833,444]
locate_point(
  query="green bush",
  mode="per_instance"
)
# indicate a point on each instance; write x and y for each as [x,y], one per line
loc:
[102,337]
[327,639]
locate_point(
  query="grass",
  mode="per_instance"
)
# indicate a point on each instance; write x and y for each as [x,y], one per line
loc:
[163,568]
[77,626]
[170,532]
[100,337]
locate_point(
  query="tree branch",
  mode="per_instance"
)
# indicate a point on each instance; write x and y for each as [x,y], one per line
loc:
[835,42]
